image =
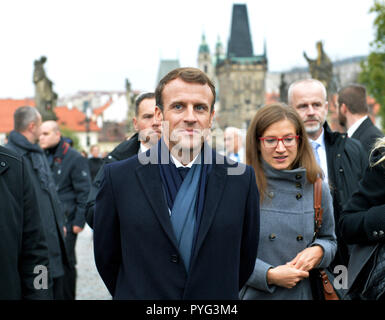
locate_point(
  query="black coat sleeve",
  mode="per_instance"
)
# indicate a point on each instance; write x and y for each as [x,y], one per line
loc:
[95,186]
[107,248]
[80,178]
[363,218]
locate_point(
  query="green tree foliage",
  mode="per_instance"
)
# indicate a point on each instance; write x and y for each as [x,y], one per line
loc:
[373,68]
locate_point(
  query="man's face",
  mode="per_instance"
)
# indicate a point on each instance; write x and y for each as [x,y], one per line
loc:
[48,136]
[309,101]
[187,112]
[231,141]
[145,123]
[95,152]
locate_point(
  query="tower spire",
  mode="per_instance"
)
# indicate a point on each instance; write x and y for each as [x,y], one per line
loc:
[240,44]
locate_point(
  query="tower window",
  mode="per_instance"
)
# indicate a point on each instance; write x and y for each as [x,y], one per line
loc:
[205,68]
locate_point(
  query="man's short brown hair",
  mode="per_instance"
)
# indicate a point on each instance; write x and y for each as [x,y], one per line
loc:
[191,75]
[354,97]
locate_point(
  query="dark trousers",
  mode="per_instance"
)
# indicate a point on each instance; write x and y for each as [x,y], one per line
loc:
[69,286]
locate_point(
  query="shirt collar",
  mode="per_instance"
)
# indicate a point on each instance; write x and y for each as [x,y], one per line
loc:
[355,126]
[142,148]
[320,139]
[179,164]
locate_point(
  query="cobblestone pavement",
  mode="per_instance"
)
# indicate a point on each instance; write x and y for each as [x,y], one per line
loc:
[89,285]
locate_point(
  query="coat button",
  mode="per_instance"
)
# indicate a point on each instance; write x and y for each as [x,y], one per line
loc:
[272,236]
[298,196]
[271,194]
[2,163]
[381,233]
[299,238]
[298,185]
[298,176]
[375,234]
[341,170]
[174,258]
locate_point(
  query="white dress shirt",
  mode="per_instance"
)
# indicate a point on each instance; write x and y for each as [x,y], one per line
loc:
[142,148]
[355,126]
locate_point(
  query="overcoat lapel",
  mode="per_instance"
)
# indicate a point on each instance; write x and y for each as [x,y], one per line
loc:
[150,181]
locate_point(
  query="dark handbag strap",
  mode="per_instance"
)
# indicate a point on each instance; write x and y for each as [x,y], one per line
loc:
[328,289]
[318,210]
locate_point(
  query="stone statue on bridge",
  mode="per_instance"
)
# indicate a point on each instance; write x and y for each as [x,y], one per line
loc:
[45,97]
[321,68]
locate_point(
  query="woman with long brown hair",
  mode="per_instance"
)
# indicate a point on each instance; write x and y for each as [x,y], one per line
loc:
[277,148]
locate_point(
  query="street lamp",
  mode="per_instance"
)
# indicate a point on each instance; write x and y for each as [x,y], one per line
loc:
[88,112]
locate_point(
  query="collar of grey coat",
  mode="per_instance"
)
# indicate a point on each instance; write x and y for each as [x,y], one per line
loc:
[298,174]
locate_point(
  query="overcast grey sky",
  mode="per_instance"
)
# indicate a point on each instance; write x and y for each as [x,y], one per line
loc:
[96,44]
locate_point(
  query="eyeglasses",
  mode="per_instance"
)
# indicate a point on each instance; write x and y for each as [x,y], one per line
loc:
[272,142]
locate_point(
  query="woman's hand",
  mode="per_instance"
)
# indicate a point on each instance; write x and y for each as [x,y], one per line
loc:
[308,258]
[285,276]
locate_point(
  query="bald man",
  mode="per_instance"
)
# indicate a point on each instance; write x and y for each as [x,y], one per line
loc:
[71,174]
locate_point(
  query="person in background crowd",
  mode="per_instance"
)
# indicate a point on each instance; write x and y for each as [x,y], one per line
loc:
[362,225]
[23,140]
[71,174]
[278,149]
[234,145]
[183,227]
[95,161]
[343,160]
[352,112]
[148,131]
[22,243]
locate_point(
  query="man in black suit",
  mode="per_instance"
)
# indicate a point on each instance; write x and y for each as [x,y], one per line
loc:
[148,131]
[178,221]
[353,115]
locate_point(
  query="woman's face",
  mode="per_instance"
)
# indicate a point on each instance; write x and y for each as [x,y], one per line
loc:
[280,157]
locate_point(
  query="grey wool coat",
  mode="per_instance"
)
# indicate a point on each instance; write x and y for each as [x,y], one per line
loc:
[286,228]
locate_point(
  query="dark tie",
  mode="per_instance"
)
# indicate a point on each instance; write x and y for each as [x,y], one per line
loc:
[183,171]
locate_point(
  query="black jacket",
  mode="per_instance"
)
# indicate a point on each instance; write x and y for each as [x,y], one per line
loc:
[367,133]
[363,218]
[51,211]
[22,242]
[72,177]
[124,150]
[362,223]
[94,165]
[347,161]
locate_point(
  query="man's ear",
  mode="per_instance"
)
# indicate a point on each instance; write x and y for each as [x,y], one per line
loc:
[31,126]
[135,123]
[344,109]
[158,114]
[211,118]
